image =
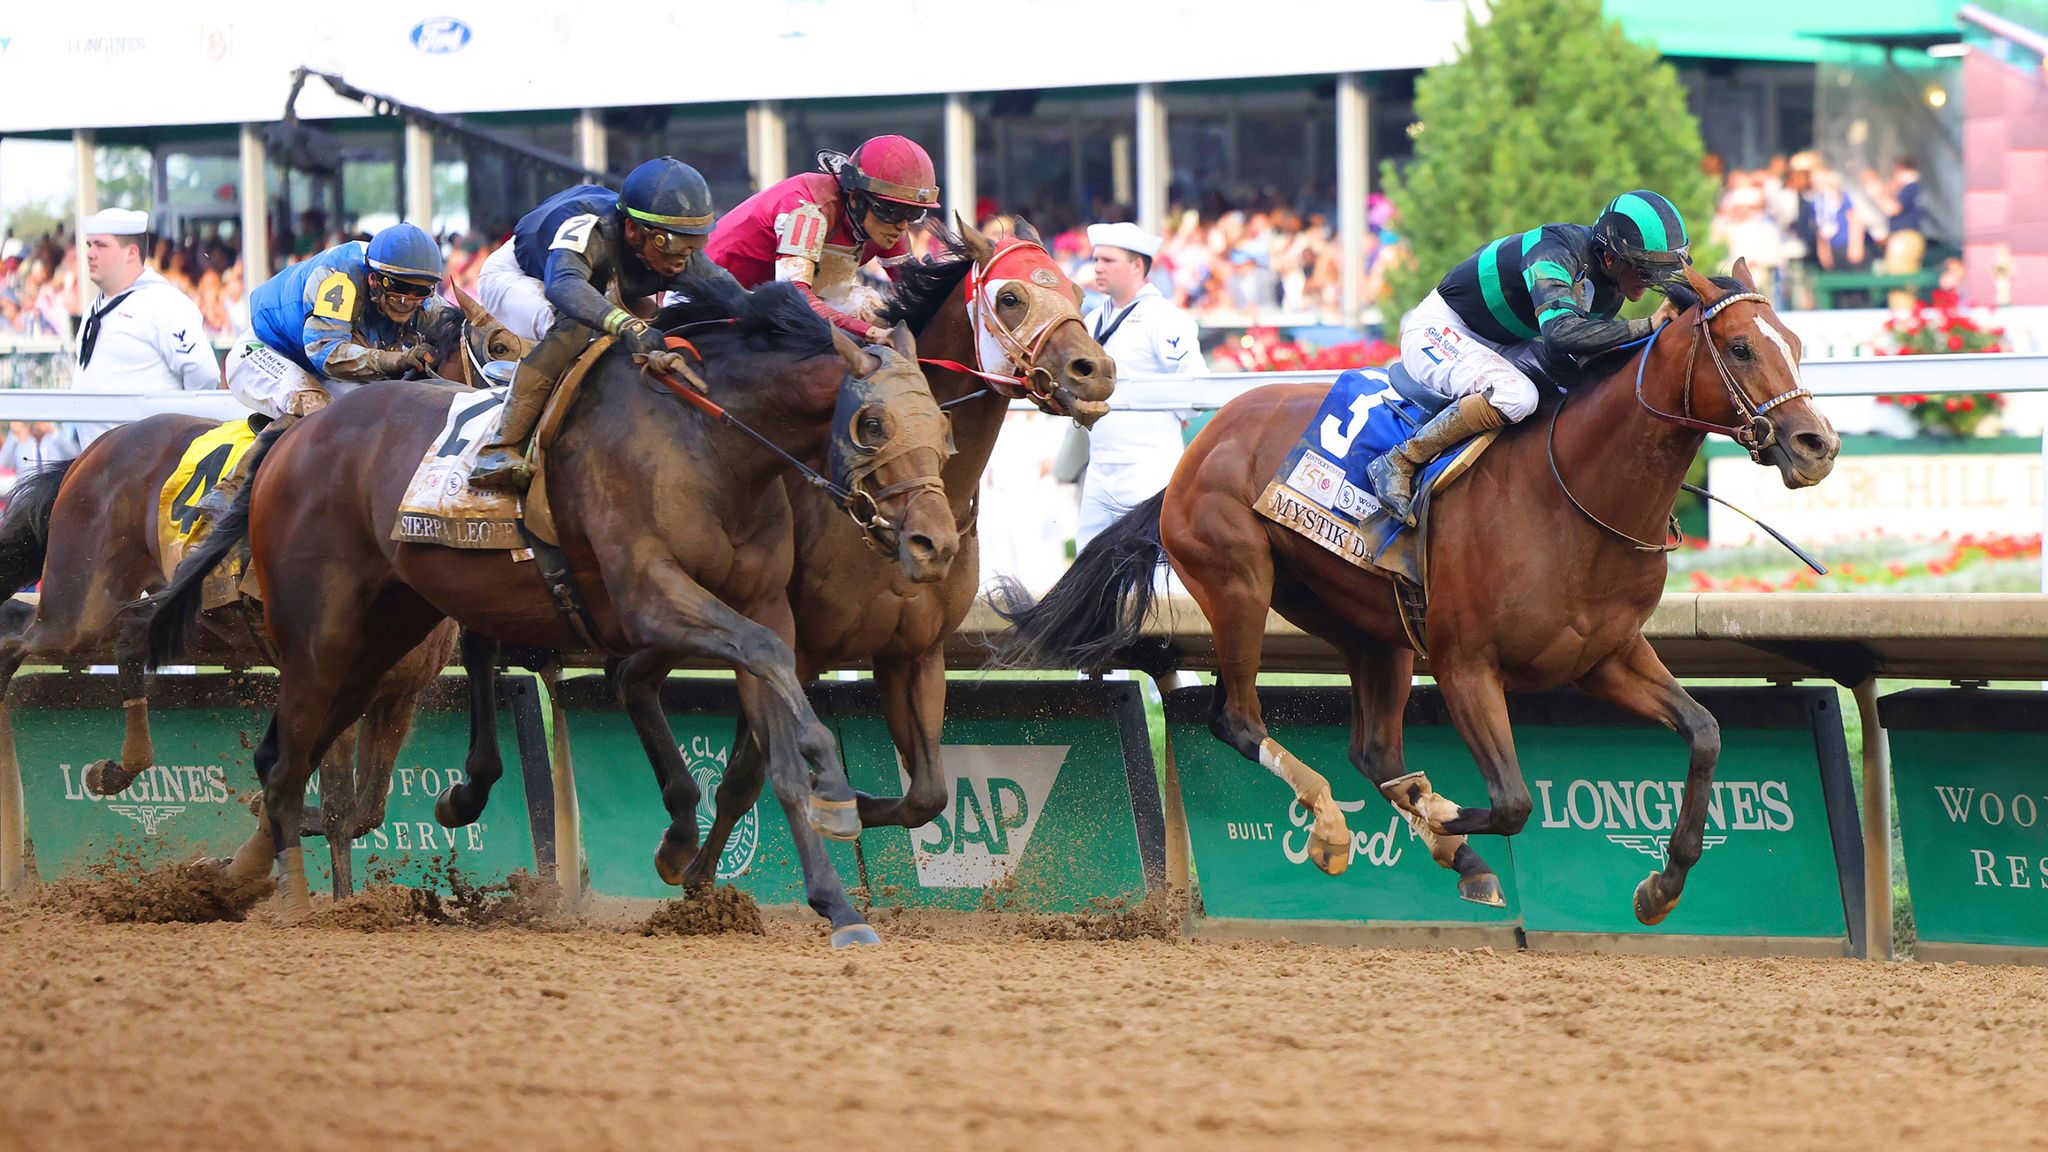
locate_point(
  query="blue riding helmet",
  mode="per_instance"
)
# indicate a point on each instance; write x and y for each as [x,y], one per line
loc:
[404,252]
[669,194]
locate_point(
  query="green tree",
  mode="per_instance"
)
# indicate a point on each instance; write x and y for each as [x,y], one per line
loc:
[1550,111]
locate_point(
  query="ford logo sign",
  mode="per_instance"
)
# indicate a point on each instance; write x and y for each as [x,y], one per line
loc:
[440,35]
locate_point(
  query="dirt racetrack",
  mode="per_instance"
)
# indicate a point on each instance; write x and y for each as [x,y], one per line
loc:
[965,1036]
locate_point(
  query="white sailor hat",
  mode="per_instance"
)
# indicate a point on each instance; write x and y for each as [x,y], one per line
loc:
[1125,235]
[117,222]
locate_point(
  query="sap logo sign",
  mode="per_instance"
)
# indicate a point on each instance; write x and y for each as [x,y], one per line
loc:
[999,792]
[440,35]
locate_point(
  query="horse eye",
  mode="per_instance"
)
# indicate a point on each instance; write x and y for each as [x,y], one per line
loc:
[871,424]
[1740,350]
[1008,300]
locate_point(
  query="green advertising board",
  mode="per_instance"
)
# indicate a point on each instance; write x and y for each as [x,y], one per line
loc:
[194,801]
[1051,798]
[1970,770]
[1782,858]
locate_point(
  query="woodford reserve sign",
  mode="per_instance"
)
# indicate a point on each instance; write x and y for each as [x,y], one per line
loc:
[1971,770]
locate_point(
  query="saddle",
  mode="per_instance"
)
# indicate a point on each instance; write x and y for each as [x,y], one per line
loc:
[440,507]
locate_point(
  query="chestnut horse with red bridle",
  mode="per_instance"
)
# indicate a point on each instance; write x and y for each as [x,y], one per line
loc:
[1544,560]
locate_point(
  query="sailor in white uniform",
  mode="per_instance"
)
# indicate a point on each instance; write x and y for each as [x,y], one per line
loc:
[1131,455]
[141,334]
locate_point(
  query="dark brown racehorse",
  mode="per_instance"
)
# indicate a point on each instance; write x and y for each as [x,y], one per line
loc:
[852,605]
[88,531]
[1528,591]
[676,529]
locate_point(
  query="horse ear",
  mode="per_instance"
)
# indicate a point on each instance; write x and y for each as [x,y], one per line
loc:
[478,318]
[1741,272]
[1026,232]
[903,342]
[857,359]
[977,246]
[1704,288]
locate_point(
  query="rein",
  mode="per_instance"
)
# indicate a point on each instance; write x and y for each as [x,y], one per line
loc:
[848,497]
[1022,350]
[1756,435]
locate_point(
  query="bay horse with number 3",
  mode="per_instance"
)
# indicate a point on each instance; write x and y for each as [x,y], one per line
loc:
[1545,560]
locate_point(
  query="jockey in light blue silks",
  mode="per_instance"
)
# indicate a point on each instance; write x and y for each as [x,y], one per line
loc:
[352,314]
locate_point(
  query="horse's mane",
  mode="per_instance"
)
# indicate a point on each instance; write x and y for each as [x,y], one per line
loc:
[1679,290]
[1681,293]
[446,340]
[774,317]
[923,285]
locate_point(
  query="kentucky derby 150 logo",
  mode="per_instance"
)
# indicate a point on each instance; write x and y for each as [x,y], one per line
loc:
[1638,814]
[707,763]
[440,35]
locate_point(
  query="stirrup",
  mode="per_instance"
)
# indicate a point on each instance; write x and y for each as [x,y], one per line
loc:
[501,470]
[1383,469]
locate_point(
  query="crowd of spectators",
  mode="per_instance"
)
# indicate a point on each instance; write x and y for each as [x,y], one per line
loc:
[1229,263]
[1797,218]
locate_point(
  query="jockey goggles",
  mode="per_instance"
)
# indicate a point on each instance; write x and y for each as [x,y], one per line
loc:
[892,212]
[667,241]
[409,289]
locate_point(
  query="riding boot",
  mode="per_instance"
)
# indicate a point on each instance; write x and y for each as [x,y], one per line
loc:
[221,500]
[502,464]
[1393,473]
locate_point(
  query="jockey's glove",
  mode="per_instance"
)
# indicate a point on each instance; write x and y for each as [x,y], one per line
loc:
[640,337]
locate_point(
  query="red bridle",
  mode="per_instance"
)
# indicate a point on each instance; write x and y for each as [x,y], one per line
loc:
[1023,347]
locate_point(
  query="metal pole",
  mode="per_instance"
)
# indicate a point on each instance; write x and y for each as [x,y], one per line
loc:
[592,149]
[1877,825]
[419,175]
[959,185]
[13,813]
[1120,170]
[2044,508]
[1354,185]
[767,144]
[562,771]
[84,145]
[1155,168]
[255,209]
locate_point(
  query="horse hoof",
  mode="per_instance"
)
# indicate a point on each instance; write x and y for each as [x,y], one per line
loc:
[1482,888]
[854,935]
[835,819]
[105,778]
[1333,859]
[672,861]
[1651,909]
[449,810]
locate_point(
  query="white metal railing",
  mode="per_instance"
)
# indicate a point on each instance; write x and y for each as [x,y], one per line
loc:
[2008,372]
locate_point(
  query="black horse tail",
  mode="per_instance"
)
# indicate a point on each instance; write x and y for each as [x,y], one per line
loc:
[1096,611]
[171,611]
[25,528]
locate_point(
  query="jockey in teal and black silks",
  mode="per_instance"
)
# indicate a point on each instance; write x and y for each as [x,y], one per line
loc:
[1560,285]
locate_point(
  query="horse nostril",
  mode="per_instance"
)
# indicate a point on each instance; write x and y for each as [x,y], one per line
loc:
[1081,369]
[921,546]
[1812,444]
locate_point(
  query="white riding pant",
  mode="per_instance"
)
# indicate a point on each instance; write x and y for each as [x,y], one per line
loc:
[1448,358]
[519,301]
[272,384]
